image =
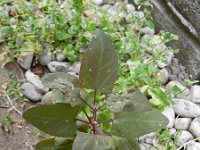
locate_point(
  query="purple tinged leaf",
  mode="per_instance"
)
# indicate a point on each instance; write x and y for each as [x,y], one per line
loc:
[85,141]
[57,119]
[124,144]
[132,124]
[133,102]
[99,67]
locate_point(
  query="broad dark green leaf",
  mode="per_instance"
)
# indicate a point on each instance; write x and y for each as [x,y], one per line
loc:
[64,82]
[99,66]
[134,102]
[132,124]
[55,144]
[85,141]
[124,144]
[57,119]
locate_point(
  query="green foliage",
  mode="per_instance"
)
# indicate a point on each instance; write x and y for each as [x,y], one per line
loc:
[5,123]
[67,26]
[133,118]
[158,95]
[167,139]
[191,81]
[14,91]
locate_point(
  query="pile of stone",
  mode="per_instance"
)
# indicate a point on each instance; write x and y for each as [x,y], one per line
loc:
[34,89]
[184,115]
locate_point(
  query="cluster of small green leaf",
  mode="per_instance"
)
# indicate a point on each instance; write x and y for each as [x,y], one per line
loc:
[167,139]
[67,26]
[5,123]
[38,25]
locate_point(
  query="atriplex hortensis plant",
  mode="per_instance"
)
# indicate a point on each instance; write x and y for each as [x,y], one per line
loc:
[132,114]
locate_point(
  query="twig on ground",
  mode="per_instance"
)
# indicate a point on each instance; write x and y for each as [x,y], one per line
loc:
[11,103]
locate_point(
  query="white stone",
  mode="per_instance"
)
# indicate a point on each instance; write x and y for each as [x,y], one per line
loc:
[185,108]
[30,92]
[184,137]
[44,58]
[83,49]
[75,67]
[182,123]
[112,12]
[172,131]
[169,56]
[147,30]
[98,2]
[193,146]
[145,146]
[163,75]
[140,14]
[184,90]
[130,8]
[56,66]
[60,57]
[195,94]
[47,98]
[195,127]
[26,59]
[35,80]
[169,113]
[148,138]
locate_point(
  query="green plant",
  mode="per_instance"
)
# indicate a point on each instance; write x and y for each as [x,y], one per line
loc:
[12,92]
[191,81]
[167,139]
[131,115]
[6,122]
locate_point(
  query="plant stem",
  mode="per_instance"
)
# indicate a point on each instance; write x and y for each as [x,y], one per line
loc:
[95,93]
[11,103]
[90,121]
[85,102]
[105,103]
[95,114]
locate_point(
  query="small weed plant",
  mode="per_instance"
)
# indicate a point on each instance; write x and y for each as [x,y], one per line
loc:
[87,115]
[5,123]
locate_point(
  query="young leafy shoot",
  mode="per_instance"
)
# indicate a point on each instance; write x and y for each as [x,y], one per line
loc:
[132,115]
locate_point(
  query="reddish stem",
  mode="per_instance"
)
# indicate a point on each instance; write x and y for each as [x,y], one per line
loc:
[105,103]
[90,121]
[94,108]
[95,114]
[84,101]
